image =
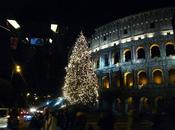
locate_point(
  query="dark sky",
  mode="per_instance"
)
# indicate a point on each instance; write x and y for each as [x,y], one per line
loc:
[35,17]
[78,14]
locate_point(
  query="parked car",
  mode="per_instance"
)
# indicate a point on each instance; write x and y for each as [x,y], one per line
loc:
[4,117]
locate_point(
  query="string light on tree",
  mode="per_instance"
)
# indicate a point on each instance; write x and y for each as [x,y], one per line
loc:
[81,83]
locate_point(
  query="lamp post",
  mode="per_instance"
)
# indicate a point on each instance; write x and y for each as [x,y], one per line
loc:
[18,69]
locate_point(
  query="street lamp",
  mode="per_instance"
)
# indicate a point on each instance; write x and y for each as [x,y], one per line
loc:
[14,23]
[54,28]
[18,69]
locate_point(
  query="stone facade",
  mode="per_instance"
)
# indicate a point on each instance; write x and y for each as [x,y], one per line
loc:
[134,58]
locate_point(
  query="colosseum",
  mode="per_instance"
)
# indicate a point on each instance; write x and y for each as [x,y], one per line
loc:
[134,59]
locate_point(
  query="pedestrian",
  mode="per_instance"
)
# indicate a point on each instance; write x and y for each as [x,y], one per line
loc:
[45,118]
[53,122]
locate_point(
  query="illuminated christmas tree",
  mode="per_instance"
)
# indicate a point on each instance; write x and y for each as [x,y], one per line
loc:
[81,83]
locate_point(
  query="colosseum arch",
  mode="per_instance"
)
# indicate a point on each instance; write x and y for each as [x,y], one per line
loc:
[171,75]
[142,78]
[127,55]
[115,57]
[144,105]
[157,75]
[170,49]
[129,105]
[140,53]
[154,51]
[117,79]
[128,79]
[106,82]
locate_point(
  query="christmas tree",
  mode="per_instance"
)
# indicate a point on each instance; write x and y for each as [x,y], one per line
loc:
[81,83]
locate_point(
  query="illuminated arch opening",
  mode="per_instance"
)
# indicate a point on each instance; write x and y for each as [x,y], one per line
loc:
[130,104]
[142,78]
[170,49]
[144,104]
[155,51]
[171,74]
[105,82]
[127,55]
[158,76]
[140,53]
[128,79]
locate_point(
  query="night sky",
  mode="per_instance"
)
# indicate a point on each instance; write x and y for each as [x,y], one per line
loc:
[35,17]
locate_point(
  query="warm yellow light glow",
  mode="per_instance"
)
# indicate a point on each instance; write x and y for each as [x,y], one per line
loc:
[14,23]
[158,76]
[18,68]
[128,79]
[131,84]
[130,100]
[54,27]
[144,81]
[172,76]
[106,83]
[158,80]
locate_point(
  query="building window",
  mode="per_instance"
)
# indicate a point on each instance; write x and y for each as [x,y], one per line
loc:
[106,60]
[155,52]
[127,55]
[140,53]
[104,38]
[158,76]
[171,74]
[105,82]
[170,50]
[128,79]
[125,31]
[144,104]
[116,57]
[152,25]
[130,103]
[142,78]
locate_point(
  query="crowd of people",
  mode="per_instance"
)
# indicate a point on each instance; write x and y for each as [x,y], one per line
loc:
[63,119]
[58,120]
